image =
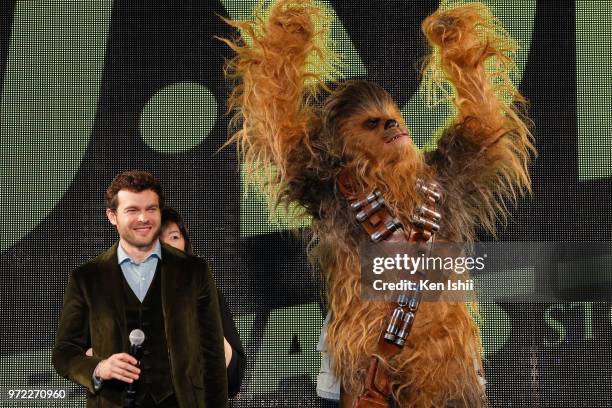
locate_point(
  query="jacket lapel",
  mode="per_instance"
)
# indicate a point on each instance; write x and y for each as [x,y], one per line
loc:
[112,278]
[113,282]
[169,282]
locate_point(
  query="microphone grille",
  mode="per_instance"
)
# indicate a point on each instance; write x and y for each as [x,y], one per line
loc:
[137,337]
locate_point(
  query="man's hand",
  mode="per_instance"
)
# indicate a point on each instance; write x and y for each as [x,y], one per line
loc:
[120,366]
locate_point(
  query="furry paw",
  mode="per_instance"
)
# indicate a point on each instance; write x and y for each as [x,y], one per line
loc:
[290,23]
[456,33]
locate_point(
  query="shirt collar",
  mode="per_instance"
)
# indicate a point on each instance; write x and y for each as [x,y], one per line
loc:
[122,256]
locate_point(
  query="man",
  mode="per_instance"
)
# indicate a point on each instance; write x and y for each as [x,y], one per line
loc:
[141,283]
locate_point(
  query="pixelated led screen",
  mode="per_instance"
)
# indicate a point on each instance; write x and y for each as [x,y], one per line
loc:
[92,88]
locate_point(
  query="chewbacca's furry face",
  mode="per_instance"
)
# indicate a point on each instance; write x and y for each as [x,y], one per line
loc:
[378,131]
[368,121]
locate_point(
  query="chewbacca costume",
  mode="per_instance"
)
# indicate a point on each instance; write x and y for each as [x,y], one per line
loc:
[296,147]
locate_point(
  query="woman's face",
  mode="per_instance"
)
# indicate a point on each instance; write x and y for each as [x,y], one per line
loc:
[171,235]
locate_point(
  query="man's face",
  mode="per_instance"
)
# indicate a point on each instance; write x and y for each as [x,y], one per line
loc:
[137,217]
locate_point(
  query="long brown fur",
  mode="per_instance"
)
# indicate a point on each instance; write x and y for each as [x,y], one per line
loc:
[297,148]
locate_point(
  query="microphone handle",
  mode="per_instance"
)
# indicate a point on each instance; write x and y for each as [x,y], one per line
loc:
[129,399]
[136,352]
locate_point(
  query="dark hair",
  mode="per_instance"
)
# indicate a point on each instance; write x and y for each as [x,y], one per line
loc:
[169,216]
[134,181]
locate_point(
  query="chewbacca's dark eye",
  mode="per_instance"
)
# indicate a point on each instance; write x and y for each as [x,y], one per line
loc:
[372,123]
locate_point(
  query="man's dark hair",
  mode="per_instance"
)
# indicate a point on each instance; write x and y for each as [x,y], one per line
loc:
[135,181]
[169,216]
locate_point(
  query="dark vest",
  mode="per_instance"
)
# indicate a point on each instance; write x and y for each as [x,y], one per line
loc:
[155,377]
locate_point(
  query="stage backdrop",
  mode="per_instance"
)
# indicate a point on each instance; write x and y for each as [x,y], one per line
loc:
[92,88]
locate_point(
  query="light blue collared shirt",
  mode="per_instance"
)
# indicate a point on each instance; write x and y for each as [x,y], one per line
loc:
[139,275]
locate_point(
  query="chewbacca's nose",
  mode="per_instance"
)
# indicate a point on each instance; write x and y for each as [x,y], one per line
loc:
[391,123]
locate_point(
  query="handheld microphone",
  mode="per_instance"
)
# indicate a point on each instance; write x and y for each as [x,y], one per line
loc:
[137,337]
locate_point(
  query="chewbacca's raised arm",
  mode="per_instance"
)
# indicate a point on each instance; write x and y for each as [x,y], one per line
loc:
[484,155]
[281,64]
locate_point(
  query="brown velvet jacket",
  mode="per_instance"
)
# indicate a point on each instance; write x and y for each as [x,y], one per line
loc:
[93,315]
